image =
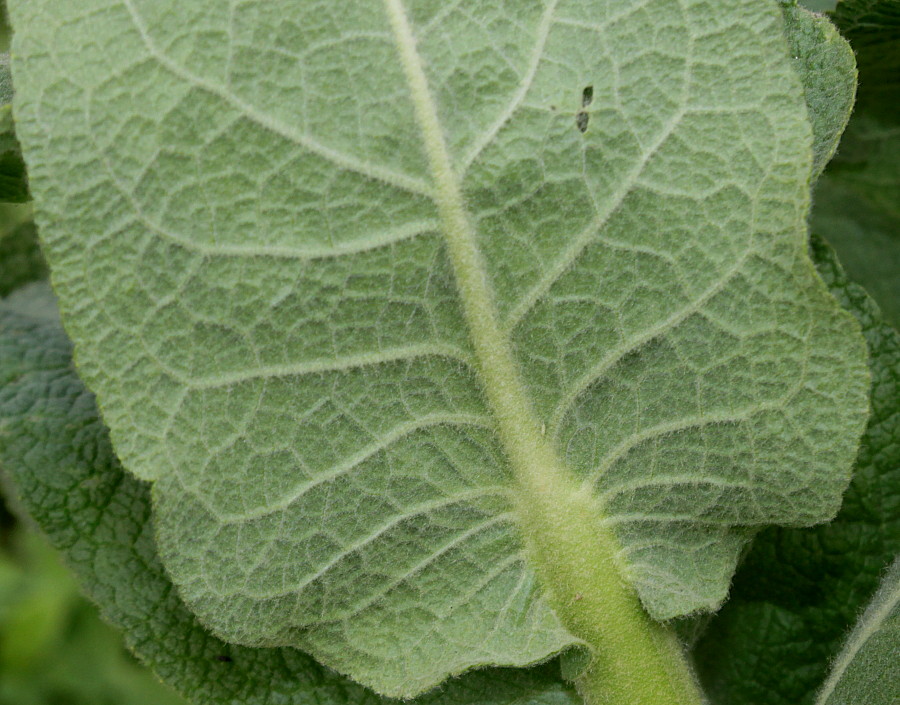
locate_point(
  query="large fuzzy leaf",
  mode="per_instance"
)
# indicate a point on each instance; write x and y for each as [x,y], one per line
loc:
[56,452]
[800,590]
[356,283]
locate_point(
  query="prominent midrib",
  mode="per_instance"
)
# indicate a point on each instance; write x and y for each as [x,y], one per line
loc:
[635,661]
[532,457]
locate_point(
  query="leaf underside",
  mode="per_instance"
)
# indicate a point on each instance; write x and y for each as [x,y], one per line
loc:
[63,469]
[244,235]
[799,591]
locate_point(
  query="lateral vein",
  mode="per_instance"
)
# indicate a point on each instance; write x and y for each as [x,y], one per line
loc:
[339,159]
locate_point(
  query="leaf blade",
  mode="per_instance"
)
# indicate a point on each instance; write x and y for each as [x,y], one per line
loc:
[827,69]
[799,591]
[213,322]
[100,517]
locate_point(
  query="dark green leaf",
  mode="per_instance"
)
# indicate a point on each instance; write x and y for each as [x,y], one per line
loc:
[827,69]
[13,179]
[21,260]
[868,668]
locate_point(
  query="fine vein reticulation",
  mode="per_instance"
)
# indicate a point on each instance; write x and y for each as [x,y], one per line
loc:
[401,326]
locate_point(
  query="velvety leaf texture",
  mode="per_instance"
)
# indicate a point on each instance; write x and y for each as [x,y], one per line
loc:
[56,451]
[308,252]
[867,670]
[800,591]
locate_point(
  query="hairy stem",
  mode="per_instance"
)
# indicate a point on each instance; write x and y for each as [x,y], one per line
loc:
[635,660]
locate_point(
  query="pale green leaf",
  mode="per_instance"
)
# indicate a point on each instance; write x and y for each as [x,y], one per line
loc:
[56,452]
[353,281]
[6,88]
[799,591]
[867,671]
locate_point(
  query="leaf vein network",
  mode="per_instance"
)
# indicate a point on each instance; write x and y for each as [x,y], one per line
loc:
[343,161]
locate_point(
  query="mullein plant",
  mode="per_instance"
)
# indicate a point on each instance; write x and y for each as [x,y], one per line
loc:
[460,352]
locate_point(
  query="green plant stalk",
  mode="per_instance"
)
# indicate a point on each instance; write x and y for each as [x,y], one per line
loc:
[635,661]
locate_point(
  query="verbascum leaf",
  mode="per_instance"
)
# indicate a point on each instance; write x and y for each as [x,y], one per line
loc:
[827,69]
[799,592]
[56,452]
[355,283]
[867,670]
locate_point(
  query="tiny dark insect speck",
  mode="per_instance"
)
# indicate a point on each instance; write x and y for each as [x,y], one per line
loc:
[581,120]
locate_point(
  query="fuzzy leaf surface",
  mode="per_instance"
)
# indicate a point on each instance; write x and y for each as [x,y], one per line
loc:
[252,243]
[799,591]
[56,452]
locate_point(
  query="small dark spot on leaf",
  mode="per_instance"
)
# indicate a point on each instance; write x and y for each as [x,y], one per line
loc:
[587,95]
[223,658]
[581,120]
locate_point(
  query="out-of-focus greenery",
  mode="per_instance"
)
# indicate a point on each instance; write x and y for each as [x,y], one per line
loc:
[54,649]
[819,5]
[20,255]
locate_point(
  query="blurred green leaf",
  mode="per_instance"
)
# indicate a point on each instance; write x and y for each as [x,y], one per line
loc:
[54,650]
[13,177]
[21,260]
